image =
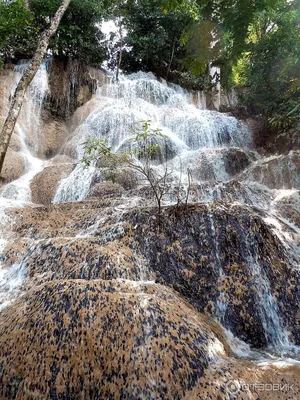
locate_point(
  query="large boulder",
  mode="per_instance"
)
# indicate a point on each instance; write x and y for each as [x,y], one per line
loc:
[227,262]
[14,166]
[44,184]
[99,339]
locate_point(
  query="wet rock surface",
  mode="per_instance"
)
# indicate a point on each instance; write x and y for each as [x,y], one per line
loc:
[44,184]
[288,207]
[119,340]
[217,165]
[220,257]
[76,85]
[14,166]
[221,254]
[276,172]
[106,189]
[124,341]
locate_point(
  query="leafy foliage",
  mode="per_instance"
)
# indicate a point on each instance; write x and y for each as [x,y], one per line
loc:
[79,34]
[272,66]
[154,35]
[17,30]
[138,158]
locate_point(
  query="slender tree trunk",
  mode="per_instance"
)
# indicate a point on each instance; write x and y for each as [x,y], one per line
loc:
[29,74]
[121,52]
[171,59]
[26,4]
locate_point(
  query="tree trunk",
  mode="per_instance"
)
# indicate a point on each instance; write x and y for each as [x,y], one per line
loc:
[171,59]
[26,4]
[29,74]
[121,52]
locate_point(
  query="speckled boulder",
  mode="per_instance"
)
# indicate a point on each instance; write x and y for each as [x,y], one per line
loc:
[86,258]
[104,340]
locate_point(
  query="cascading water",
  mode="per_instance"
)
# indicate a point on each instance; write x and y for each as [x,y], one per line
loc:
[18,193]
[28,130]
[189,133]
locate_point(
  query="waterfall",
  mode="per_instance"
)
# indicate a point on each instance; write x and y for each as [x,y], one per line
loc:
[18,193]
[188,130]
[28,130]
[217,148]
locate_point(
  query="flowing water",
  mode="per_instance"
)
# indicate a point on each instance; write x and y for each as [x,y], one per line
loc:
[214,146]
[18,193]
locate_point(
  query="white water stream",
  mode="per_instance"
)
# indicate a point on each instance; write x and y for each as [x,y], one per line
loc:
[18,192]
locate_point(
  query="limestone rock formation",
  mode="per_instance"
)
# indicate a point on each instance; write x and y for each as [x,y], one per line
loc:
[76,85]
[190,253]
[94,319]
[288,207]
[276,172]
[106,189]
[125,341]
[14,166]
[54,133]
[217,164]
[44,184]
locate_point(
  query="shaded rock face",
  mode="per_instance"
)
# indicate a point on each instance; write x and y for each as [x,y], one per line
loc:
[44,184]
[75,87]
[276,172]
[224,260]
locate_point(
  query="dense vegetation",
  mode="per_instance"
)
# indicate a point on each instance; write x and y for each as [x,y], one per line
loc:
[254,43]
